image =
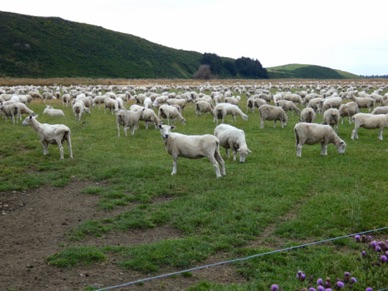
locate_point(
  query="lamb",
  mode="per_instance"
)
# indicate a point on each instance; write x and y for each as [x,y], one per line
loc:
[232,100]
[23,109]
[180,102]
[9,109]
[66,99]
[170,112]
[331,102]
[270,112]
[380,110]
[312,133]
[49,110]
[369,121]
[192,147]
[332,117]
[128,119]
[254,102]
[364,102]
[307,115]
[150,116]
[223,109]
[316,104]
[232,138]
[111,104]
[79,108]
[50,134]
[202,106]
[348,109]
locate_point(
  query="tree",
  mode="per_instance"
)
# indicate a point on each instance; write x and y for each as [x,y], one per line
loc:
[203,72]
[250,68]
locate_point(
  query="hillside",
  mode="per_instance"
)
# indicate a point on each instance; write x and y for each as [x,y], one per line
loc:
[307,72]
[51,47]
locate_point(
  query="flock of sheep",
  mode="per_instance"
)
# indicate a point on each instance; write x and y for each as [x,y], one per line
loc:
[163,105]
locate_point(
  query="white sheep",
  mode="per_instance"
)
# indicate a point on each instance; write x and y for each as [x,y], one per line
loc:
[111,104]
[50,134]
[232,100]
[254,102]
[202,106]
[369,121]
[364,102]
[180,102]
[331,117]
[287,105]
[170,112]
[49,110]
[380,110]
[66,99]
[331,102]
[128,119]
[307,115]
[232,138]
[9,109]
[270,112]
[223,109]
[148,116]
[312,133]
[316,104]
[348,109]
[79,108]
[192,147]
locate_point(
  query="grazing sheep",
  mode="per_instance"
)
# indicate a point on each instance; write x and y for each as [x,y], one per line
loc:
[232,138]
[287,105]
[364,102]
[128,119]
[9,109]
[150,116]
[270,112]
[253,102]
[316,104]
[111,104]
[232,100]
[50,134]
[331,117]
[312,133]
[331,102]
[170,112]
[66,99]
[100,99]
[348,109]
[307,115]
[202,106]
[79,108]
[369,121]
[223,109]
[180,102]
[192,147]
[380,110]
[49,110]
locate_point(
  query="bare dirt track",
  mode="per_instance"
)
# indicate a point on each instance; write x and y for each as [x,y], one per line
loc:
[34,224]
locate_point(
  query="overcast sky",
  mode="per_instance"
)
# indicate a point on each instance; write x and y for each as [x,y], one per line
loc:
[347,35]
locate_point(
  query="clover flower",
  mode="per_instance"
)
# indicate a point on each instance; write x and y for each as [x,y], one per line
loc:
[274,287]
[301,276]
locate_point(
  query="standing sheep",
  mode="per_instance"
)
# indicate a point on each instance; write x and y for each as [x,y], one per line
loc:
[223,109]
[170,112]
[348,109]
[369,121]
[270,112]
[232,138]
[307,115]
[312,133]
[332,117]
[128,119]
[50,134]
[192,147]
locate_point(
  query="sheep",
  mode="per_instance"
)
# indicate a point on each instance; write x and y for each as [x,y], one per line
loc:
[316,104]
[192,147]
[9,109]
[150,116]
[232,138]
[270,112]
[128,119]
[331,102]
[287,105]
[223,109]
[380,110]
[180,102]
[100,99]
[369,121]
[313,133]
[307,115]
[23,109]
[111,104]
[66,99]
[254,102]
[170,112]
[348,109]
[232,100]
[202,106]
[49,110]
[364,102]
[332,117]
[79,108]
[50,134]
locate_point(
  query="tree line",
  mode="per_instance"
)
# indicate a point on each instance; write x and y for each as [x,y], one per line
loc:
[213,66]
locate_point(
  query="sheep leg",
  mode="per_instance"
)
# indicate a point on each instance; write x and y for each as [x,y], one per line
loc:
[174,165]
[354,133]
[323,149]
[381,133]
[299,150]
[261,123]
[216,166]
[45,148]
[68,140]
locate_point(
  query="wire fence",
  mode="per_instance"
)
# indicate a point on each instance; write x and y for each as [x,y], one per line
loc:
[241,259]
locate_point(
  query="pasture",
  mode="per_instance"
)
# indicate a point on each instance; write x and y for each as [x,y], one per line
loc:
[147,222]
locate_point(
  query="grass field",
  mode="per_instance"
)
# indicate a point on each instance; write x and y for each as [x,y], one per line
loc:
[273,201]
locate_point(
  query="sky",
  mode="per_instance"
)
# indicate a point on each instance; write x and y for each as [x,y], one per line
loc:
[351,36]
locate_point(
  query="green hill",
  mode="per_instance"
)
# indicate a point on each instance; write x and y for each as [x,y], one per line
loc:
[51,47]
[307,72]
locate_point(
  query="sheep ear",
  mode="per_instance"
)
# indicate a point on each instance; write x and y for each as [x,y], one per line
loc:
[172,126]
[249,151]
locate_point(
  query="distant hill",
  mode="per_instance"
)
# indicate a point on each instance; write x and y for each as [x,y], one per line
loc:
[51,47]
[307,72]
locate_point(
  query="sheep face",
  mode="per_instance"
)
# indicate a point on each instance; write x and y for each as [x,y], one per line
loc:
[341,147]
[165,130]
[243,154]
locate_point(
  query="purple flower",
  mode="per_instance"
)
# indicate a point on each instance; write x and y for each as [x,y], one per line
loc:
[357,237]
[353,280]
[378,249]
[383,258]
[312,289]
[274,287]
[373,244]
[340,284]
[319,281]
[320,288]
[346,277]
[301,276]
[328,289]
[363,253]
[369,289]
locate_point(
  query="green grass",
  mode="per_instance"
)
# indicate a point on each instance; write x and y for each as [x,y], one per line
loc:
[290,200]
